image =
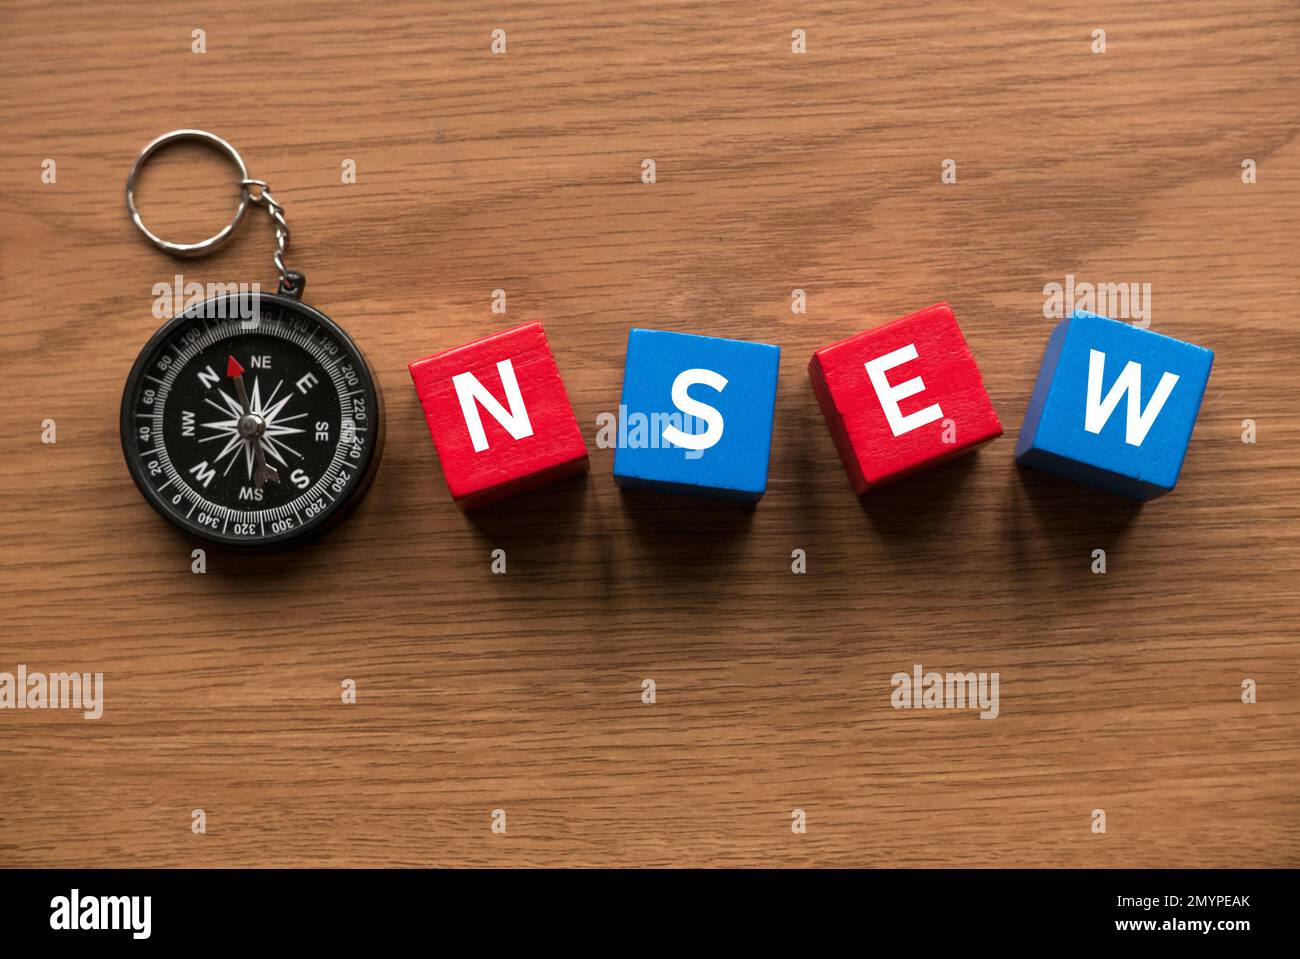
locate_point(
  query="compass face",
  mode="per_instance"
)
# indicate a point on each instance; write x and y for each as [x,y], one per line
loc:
[252,432]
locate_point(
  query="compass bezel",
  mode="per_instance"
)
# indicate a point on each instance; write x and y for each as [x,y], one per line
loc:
[314,527]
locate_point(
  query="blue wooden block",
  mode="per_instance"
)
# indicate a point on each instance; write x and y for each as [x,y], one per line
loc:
[696,416]
[1114,406]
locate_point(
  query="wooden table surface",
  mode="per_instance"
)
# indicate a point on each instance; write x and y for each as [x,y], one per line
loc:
[522,692]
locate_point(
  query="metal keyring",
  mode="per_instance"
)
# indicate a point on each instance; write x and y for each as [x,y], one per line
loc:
[222,235]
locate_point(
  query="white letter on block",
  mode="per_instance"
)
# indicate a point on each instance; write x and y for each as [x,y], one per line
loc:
[890,395]
[1130,380]
[712,418]
[469,389]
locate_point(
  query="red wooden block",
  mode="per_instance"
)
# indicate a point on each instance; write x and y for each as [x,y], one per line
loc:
[499,416]
[902,397]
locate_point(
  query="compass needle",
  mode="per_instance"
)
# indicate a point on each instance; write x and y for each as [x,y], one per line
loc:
[235,406]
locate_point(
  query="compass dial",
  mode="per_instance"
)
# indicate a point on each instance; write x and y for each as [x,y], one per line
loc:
[252,432]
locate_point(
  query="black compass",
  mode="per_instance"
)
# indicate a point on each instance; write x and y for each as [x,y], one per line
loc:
[250,419]
[252,432]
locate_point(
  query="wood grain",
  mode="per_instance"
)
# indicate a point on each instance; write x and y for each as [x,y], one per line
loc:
[522,692]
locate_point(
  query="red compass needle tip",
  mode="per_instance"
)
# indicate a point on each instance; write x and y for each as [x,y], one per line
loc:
[233,368]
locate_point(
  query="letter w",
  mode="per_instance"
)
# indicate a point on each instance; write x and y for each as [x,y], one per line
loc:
[1130,381]
[469,389]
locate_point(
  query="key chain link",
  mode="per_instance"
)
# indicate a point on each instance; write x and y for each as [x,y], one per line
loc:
[262,197]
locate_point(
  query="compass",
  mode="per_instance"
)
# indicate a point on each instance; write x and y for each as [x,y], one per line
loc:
[252,437]
[250,419]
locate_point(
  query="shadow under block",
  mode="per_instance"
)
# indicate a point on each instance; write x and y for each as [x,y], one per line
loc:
[902,397]
[499,416]
[1114,406]
[696,415]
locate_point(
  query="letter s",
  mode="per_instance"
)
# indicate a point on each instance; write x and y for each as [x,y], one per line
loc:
[682,400]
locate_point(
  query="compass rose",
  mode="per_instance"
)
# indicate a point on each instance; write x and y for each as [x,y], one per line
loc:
[254,427]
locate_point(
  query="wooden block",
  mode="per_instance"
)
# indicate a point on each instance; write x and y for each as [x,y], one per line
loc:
[902,397]
[1114,406]
[696,416]
[499,416]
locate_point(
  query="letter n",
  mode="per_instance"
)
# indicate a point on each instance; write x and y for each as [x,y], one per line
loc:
[472,394]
